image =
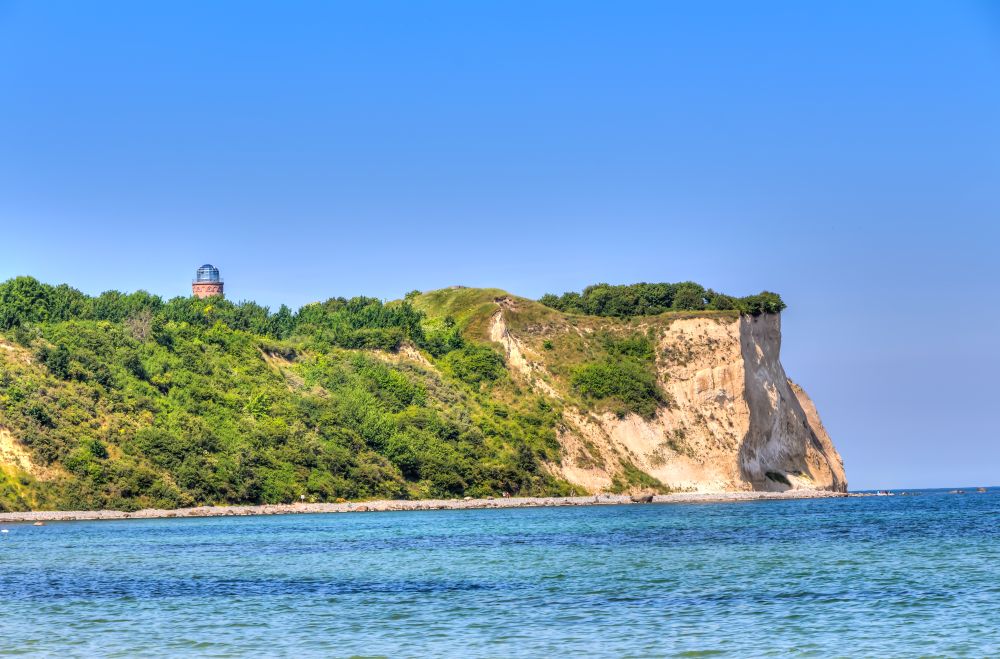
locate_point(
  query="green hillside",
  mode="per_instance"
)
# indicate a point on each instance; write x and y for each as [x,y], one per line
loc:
[128,401]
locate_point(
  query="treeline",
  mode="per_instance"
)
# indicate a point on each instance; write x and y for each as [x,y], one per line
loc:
[651,299]
[359,322]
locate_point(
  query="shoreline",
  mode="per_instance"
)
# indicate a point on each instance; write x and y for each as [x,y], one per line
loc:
[404,505]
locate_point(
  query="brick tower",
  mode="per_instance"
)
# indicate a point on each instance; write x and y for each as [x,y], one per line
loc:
[206,282]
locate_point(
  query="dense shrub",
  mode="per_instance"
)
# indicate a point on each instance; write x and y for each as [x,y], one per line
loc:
[441,337]
[636,347]
[625,384]
[476,363]
[56,360]
[359,322]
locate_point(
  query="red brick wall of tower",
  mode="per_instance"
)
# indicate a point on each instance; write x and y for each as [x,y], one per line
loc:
[206,288]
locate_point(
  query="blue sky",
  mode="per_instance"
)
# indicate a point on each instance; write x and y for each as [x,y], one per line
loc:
[845,154]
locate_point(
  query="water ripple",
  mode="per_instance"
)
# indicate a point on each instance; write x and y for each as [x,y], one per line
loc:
[878,577]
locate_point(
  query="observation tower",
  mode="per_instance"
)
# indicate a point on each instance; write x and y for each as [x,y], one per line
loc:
[206,282]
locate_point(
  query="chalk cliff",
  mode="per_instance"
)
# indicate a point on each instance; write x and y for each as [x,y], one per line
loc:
[732,419]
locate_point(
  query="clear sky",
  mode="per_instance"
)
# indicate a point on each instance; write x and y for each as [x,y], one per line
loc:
[844,154]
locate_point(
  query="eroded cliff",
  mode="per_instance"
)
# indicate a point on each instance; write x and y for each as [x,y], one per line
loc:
[732,420]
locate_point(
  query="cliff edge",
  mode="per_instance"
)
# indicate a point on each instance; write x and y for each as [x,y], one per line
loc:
[730,419]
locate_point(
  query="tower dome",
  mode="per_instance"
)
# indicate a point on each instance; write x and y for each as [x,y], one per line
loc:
[206,282]
[207,272]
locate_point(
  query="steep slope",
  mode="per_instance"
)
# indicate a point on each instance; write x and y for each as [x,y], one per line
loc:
[730,419]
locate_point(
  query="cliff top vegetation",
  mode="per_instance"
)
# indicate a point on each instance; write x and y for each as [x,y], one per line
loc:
[644,299]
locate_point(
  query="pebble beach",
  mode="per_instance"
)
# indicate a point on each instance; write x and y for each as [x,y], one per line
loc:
[401,505]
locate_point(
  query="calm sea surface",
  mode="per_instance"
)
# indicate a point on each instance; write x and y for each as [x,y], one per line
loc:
[877,576]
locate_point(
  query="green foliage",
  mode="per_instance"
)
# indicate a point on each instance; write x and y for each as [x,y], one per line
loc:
[635,347]
[138,402]
[651,299]
[476,363]
[632,478]
[624,383]
[11,498]
[360,322]
[442,336]
[37,413]
[765,302]
[26,300]
[56,360]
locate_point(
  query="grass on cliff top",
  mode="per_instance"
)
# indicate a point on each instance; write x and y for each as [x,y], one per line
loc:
[474,305]
[472,308]
[462,304]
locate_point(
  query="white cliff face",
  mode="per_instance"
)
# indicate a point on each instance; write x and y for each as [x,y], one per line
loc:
[783,447]
[734,420]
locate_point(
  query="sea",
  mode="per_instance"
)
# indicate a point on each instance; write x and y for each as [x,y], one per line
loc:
[877,576]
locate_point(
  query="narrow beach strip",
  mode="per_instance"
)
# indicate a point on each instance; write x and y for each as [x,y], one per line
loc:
[400,505]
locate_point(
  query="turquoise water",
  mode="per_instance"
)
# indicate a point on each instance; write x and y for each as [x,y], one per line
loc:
[878,576]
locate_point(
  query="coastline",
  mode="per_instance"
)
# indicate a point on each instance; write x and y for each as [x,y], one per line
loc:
[404,505]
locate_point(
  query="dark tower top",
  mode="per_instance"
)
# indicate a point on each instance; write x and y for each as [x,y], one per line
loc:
[207,273]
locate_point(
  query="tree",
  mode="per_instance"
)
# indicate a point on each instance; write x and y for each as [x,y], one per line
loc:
[140,325]
[764,302]
[23,300]
[689,296]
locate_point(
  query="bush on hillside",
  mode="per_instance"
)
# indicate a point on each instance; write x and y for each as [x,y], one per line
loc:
[625,384]
[475,364]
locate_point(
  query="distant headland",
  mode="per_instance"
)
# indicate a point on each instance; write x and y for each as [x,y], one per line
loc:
[125,401]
